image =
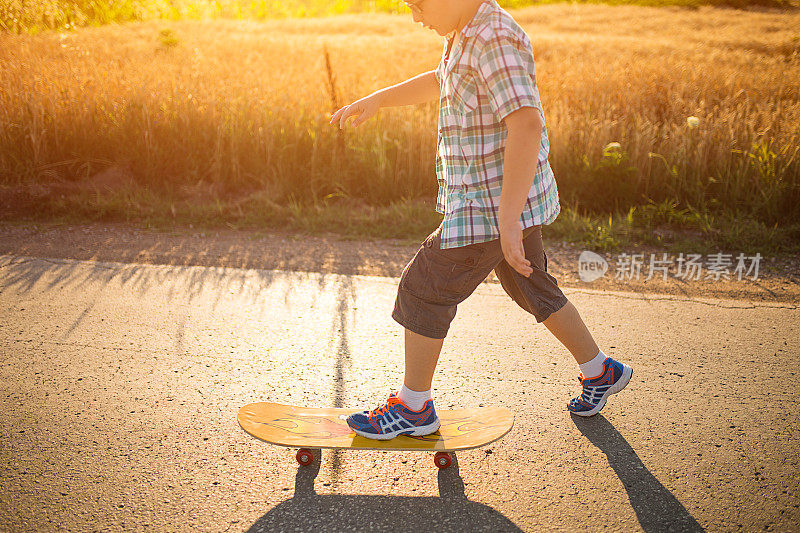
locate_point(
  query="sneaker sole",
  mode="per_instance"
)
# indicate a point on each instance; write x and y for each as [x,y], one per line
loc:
[417,432]
[622,382]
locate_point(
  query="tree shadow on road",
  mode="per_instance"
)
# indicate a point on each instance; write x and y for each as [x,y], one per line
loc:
[451,511]
[655,506]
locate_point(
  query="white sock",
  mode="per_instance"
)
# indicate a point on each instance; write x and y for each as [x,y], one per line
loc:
[415,400]
[593,368]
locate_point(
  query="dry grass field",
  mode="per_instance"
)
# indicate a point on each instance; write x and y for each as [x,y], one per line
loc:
[226,121]
[25,16]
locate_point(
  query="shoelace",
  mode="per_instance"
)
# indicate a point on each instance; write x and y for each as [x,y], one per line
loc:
[381,409]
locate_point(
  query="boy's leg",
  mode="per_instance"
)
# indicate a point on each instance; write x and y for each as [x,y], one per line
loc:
[430,289]
[422,354]
[568,327]
[540,295]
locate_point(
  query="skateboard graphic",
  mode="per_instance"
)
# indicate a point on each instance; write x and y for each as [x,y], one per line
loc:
[307,428]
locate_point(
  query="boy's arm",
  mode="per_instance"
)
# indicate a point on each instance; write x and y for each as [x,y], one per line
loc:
[506,67]
[521,156]
[417,90]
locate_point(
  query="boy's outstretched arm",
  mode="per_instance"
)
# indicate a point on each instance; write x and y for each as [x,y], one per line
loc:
[521,156]
[417,90]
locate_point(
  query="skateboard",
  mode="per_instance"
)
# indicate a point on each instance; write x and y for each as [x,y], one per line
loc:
[308,428]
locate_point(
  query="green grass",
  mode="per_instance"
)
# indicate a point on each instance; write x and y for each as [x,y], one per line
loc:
[665,226]
[762,183]
[26,16]
[662,226]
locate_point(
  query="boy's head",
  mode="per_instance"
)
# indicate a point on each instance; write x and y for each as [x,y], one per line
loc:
[443,16]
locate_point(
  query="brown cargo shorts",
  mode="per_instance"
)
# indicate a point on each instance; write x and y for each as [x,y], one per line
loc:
[436,281]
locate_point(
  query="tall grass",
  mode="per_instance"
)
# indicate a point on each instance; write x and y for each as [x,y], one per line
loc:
[235,110]
[31,16]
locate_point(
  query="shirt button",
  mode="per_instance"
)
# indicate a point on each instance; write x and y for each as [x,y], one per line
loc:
[470,261]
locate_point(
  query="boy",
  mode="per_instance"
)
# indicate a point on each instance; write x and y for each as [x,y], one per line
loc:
[496,189]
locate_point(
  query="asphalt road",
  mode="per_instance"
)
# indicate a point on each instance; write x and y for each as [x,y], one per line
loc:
[120,384]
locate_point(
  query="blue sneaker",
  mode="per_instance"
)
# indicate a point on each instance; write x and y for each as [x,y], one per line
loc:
[394,418]
[614,378]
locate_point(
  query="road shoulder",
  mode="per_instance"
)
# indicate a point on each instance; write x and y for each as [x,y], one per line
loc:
[778,280]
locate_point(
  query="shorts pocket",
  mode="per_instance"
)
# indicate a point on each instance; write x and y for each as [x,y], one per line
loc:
[454,273]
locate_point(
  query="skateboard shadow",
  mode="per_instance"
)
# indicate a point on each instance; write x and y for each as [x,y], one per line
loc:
[451,511]
[655,506]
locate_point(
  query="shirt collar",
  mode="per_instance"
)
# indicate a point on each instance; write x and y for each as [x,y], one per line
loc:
[484,10]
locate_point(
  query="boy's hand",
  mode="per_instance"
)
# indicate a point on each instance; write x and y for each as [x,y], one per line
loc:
[362,109]
[513,250]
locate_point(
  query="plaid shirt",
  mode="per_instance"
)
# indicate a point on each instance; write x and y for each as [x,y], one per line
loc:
[490,73]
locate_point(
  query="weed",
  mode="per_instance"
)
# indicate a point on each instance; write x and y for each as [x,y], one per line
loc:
[167,38]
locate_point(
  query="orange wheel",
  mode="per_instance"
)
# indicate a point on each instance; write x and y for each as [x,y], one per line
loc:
[304,457]
[442,460]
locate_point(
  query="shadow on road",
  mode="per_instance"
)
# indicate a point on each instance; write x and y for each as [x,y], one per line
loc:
[206,286]
[655,506]
[451,511]
[340,327]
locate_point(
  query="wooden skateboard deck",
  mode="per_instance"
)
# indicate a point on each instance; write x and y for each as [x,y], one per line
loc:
[309,427]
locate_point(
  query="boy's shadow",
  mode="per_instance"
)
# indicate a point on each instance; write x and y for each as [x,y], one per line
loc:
[451,511]
[655,506]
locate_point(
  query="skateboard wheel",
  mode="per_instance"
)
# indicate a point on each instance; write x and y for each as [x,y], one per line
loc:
[442,460]
[304,457]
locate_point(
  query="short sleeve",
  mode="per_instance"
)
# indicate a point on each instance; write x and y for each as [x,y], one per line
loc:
[508,71]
